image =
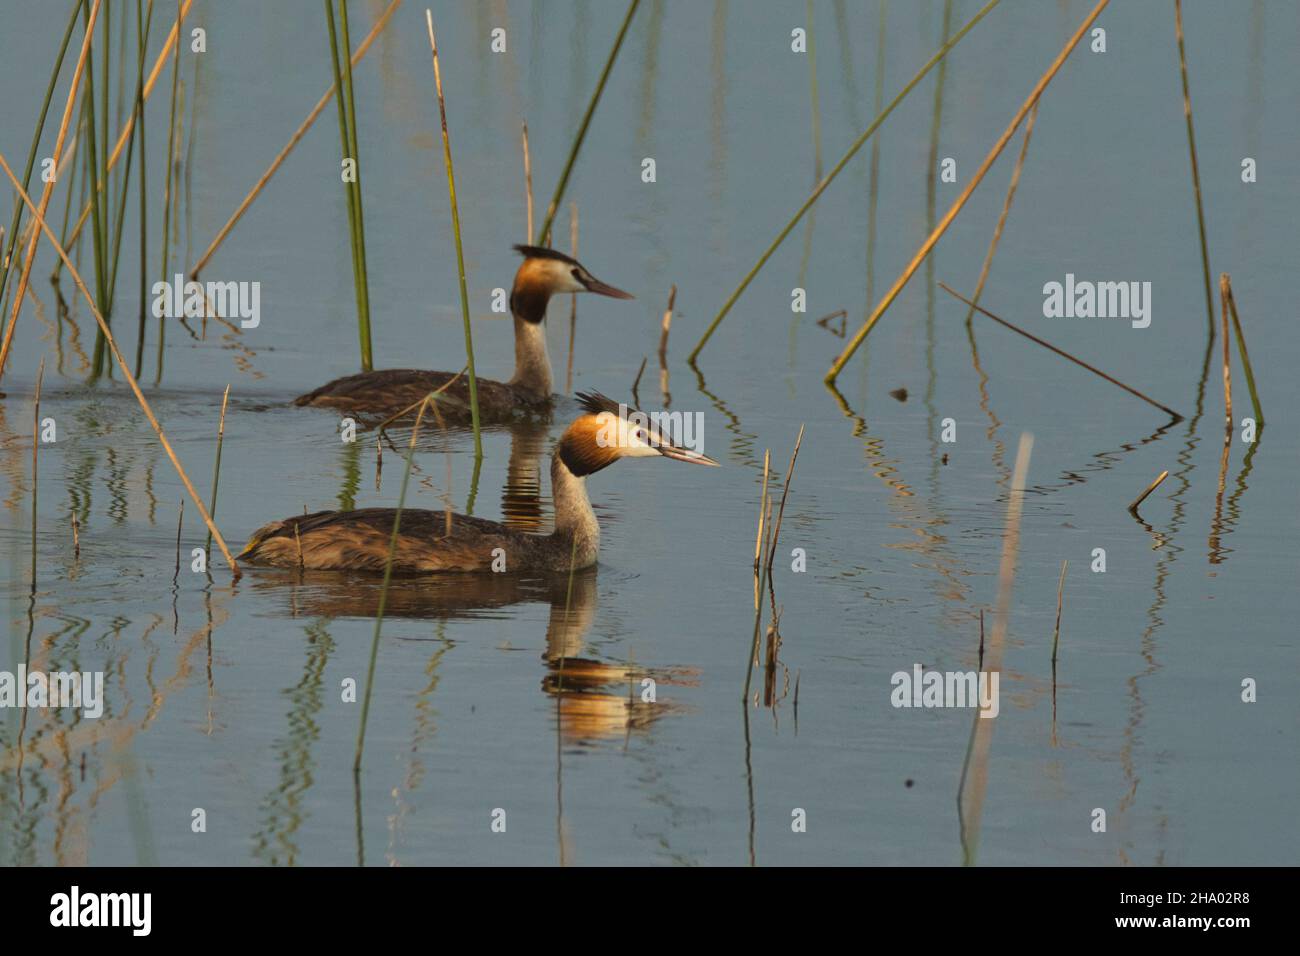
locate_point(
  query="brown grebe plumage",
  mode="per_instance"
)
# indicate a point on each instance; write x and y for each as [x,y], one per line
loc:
[428,542]
[543,273]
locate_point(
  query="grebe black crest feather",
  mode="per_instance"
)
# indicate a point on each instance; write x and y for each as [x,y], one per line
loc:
[594,402]
[542,252]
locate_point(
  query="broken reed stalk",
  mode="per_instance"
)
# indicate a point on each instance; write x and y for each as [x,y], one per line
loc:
[172,39]
[167,201]
[76,536]
[1002,219]
[1061,352]
[957,206]
[1150,488]
[121,361]
[383,590]
[971,806]
[637,381]
[830,176]
[352,186]
[573,298]
[1060,594]
[1227,361]
[1196,176]
[528,184]
[780,512]
[298,134]
[46,192]
[760,583]
[665,326]
[762,509]
[460,254]
[6,258]
[180,521]
[544,234]
[1241,348]
[216,466]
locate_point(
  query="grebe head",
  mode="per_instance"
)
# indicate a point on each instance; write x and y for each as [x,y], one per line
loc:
[545,272]
[606,432]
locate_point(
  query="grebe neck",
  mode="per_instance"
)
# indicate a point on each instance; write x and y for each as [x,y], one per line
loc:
[576,527]
[532,362]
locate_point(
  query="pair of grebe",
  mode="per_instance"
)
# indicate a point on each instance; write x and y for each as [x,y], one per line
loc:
[428,541]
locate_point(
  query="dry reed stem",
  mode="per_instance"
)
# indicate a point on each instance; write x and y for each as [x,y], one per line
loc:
[771,554]
[1002,218]
[1227,364]
[1060,594]
[298,134]
[48,190]
[1150,488]
[121,361]
[961,200]
[528,184]
[1061,352]
[762,508]
[125,135]
[636,398]
[666,326]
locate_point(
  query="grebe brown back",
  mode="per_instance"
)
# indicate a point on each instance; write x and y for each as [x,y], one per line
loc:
[359,540]
[543,273]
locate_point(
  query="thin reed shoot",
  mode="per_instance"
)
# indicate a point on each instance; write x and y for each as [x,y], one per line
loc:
[543,235]
[959,203]
[835,171]
[460,253]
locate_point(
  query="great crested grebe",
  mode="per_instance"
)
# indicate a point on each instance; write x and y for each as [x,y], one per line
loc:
[427,542]
[543,273]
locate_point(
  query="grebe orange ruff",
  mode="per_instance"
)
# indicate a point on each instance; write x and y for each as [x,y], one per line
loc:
[543,273]
[359,540]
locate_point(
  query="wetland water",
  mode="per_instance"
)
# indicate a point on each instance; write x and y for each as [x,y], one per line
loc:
[512,693]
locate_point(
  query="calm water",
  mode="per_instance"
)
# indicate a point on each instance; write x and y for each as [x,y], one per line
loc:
[228,697]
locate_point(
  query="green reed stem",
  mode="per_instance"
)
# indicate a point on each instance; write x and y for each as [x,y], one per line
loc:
[455,228]
[142,37]
[8,258]
[347,138]
[383,591]
[363,319]
[130,154]
[923,253]
[167,188]
[216,467]
[1196,175]
[586,121]
[97,233]
[1241,347]
[835,171]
